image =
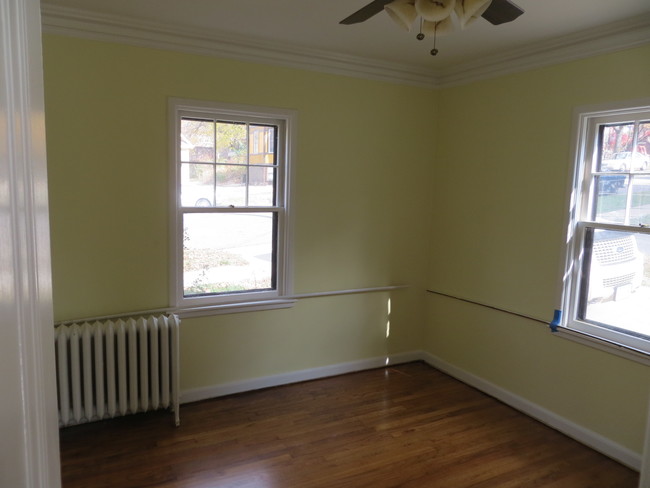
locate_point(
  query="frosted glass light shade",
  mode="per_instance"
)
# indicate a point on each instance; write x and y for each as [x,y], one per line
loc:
[445,26]
[402,12]
[434,10]
[468,11]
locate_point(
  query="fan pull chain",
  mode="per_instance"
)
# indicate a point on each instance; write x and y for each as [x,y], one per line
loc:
[434,51]
[420,35]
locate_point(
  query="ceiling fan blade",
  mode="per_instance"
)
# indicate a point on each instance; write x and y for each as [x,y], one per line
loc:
[501,11]
[363,14]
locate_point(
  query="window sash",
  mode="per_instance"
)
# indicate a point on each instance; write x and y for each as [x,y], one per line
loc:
[232,256]
[576,305]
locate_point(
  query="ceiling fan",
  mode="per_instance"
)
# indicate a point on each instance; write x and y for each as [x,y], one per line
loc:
[435,15]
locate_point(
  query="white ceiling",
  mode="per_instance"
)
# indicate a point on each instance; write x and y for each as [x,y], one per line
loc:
[306,27]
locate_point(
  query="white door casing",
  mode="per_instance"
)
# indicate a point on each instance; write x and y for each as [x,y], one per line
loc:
[29,453]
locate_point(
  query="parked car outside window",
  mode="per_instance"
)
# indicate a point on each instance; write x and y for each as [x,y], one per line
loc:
[626,161]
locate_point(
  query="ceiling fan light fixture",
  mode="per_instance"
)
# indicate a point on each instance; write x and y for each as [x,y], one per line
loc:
[402,12]
[468,11]
[435,16]
[434,10]
[443,27]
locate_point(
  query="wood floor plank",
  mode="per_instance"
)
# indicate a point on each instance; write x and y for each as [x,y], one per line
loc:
[407,426]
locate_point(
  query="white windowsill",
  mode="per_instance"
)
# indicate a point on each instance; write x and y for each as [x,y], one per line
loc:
[189,312]
[603,345]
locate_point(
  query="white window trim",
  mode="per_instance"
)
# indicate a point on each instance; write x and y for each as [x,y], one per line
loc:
[253,301]
[570,328]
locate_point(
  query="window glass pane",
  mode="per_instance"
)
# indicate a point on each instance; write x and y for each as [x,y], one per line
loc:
[231,185]
[262,144]
[613,205]
[616,142]
[640,202]
[261,187]
[617,292]
[643,142]
[232,143]
[231,252]
[611,198]
[197,185]
[197,140]
[625,161]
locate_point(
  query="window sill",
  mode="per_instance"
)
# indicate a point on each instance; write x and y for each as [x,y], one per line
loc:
[190,312]
[603,345]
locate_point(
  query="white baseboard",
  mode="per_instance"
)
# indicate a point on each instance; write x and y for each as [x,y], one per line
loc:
[198,394]
[585,436]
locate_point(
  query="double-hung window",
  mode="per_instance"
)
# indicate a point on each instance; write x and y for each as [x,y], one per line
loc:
[607,292]
[230,218]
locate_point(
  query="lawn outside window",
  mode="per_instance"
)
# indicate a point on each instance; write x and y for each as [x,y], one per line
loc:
[607,277]
[230,229]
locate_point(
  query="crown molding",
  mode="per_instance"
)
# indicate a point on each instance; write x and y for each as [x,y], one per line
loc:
[605,39]
[111,28]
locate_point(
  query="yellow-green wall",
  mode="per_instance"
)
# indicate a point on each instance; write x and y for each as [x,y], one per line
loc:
[363,166]
[461,190]
[501,170]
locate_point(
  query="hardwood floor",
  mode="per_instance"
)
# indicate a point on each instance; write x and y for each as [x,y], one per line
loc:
[405,426]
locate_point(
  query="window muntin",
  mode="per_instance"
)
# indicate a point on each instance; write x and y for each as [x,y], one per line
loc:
[609,294]
[231,178]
